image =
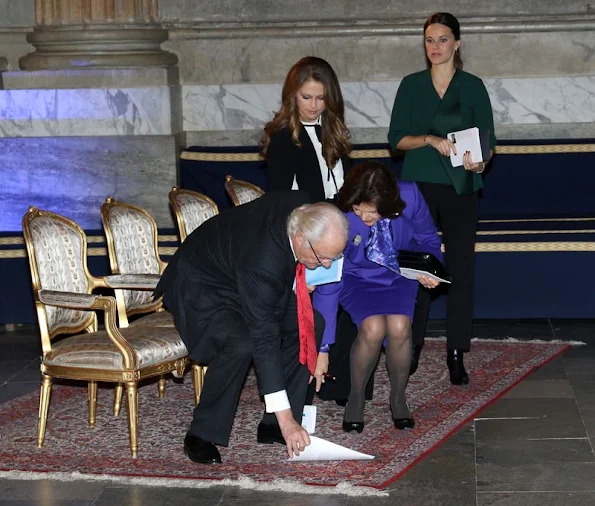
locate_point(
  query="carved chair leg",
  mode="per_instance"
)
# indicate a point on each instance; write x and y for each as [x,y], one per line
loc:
[198,378]
[161,386]
[132,403]
[92,392]
[44,403]
[118,398]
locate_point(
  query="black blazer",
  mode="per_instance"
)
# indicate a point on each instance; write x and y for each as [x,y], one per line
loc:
[286,160]
[241,260]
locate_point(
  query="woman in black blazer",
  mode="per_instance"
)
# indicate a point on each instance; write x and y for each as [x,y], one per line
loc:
[306,143]
[306,137]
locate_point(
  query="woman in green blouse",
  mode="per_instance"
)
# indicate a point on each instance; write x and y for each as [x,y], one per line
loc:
[428,105]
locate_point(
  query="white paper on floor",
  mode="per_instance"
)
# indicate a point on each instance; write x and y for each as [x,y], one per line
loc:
[321,449]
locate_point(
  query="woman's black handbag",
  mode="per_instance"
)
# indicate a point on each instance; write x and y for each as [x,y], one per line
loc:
[420,263]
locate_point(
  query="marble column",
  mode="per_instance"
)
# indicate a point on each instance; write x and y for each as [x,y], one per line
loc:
[78,34]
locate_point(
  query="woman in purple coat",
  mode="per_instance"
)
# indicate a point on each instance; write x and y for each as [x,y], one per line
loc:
[384,217]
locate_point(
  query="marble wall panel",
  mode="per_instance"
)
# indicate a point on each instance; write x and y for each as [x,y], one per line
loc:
[85,112]
[74,175]
[515,101]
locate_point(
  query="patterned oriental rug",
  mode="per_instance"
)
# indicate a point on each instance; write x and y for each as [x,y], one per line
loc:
[438,407]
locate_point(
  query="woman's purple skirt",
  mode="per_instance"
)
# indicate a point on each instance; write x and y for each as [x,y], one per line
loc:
[362,298]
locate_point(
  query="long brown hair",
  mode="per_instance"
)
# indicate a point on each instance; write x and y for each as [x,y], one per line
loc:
[447,19]
[336,140]
[373,183]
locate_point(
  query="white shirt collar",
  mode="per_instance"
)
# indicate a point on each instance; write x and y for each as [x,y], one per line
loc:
[318,121]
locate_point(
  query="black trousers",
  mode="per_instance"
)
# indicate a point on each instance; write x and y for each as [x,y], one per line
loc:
[230,345]
[457,217]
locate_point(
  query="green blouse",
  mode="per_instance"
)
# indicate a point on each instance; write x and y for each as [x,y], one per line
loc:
[418,110]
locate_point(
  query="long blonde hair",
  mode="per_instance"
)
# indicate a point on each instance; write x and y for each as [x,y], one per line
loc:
[336,140]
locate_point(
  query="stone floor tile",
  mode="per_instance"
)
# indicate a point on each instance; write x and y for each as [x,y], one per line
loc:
[533,451]
[9,391]
[535,499]
[543,477]
[538,389]
[12,367]
[159,496]
[46,490]
[520,329]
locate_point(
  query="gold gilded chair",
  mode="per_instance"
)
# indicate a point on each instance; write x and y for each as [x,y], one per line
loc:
[191,210]
[241,192]
[65,305]
[132,243]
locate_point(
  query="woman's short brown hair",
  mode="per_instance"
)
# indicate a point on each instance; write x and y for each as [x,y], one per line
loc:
[373,183]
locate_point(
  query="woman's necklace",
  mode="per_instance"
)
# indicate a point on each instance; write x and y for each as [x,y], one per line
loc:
[442,87]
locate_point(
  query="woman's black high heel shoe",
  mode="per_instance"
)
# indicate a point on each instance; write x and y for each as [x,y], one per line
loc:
[403,423]
[353,426]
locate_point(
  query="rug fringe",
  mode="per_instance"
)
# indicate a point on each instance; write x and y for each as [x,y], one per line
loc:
[277,485]
[514,340]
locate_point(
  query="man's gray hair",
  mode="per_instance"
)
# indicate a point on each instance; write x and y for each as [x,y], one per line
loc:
[316,220]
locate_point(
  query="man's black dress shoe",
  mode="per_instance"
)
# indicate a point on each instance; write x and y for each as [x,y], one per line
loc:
[353,426]
[456,367]
[415,354]
[269,434]
[404,423]
[201,451]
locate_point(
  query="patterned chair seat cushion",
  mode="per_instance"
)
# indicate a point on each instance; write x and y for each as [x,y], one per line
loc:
[96,351]
[159,319]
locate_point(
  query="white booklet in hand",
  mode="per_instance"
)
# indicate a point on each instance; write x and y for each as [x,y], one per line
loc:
[321,275]
[465,140]
[409,273]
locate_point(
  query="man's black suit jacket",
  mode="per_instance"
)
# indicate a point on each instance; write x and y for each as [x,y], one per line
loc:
[286,160]
[239,260]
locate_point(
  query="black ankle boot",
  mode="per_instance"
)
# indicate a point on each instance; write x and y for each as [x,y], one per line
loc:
[454,361]
[415,354]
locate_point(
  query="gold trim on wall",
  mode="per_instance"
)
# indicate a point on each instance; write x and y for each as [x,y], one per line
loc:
[480,247]
[533,232]
[529,220]
[532,149]
[518,247]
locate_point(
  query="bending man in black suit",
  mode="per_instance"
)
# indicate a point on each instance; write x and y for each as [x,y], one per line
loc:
[229,287]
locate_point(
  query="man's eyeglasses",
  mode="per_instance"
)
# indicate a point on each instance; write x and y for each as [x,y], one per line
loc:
[321,259]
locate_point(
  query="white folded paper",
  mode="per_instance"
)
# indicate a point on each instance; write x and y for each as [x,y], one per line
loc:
[321,449]
[465,140]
